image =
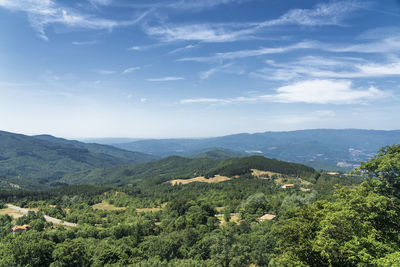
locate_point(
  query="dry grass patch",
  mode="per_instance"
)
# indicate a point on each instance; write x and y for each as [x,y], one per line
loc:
[215,179]
[139,210]
[104,205]
[13,213]
[234,218]
[259,173]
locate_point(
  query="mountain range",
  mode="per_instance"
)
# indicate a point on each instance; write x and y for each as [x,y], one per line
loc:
[320,148]
[44,161]
[38,161]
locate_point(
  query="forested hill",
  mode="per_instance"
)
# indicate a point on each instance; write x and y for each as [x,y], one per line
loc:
[179,167]
[36,162]
[238,166]
[319,148]
[124,156]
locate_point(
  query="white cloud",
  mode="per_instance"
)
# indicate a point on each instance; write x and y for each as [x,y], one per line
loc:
[206,74]
[42,13]
[143,100]
[310,91]
[106,72]
[198,32]
[84,42]
[185,48]
[327,67]
[100,2]
[322,92]
[164,79]
[135,48]
[386,45]
[254,52]
[204,100]
[129,70]
[323,14]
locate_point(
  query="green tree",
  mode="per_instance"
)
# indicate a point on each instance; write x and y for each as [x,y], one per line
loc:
[71,253]
[386,167]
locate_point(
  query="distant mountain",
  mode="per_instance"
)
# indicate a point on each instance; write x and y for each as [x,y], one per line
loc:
[216,153]
[330,149]
[179,167]
[124,155]
[36,162]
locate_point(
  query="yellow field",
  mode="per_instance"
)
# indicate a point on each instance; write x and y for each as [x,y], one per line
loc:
[104,205]
[13,213]
[215,179]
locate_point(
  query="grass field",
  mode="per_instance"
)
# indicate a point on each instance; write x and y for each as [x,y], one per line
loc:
[215,179]
[13,213]
[139,210]
[259,173]
[234,218]
[104,205]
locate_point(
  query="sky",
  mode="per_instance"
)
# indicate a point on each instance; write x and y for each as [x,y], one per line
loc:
[183,68]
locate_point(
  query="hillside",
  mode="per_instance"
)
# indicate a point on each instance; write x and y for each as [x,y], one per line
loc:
[36,162]
[331,149]
[124,155]
[178,167]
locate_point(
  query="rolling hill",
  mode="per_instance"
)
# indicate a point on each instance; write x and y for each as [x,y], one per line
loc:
[319,148]
[36,162]
[174,167]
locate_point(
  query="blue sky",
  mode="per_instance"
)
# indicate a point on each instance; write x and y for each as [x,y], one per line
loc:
[177,68]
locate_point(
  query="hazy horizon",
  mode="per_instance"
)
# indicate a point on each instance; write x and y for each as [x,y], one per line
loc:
[84,139]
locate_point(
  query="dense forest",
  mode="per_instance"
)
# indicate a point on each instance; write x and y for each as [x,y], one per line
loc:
[330,219]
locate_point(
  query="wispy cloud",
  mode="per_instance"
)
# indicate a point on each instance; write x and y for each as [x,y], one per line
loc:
[327,67]
[200,32]
[165,79]
[106,72]
[323,14]
[185,48]
[129,70]
[186,5]
[316,91]
[253,53]
[100,2]
[42,13]
[387,45]
[84,42]
[206,74]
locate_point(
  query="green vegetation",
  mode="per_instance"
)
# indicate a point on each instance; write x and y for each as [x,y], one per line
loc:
[178,167]
[39,162]
[344,220]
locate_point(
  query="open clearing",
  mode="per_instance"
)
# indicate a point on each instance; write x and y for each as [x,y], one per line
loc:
[104,205]
[216,179]
[139,210]
[13,213]
[259,173]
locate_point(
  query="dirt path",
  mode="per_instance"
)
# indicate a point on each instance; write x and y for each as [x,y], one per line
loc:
[47,218]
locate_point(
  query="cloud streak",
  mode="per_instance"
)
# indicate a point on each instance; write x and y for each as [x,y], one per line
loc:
[318,91]
[326,67]
[42,13]
[321,15]
[129,70]
[165,79]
